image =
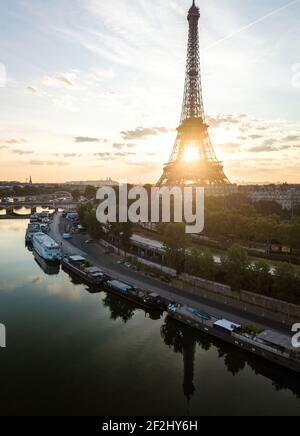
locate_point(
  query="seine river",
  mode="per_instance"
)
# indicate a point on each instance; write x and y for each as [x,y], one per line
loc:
[76,353]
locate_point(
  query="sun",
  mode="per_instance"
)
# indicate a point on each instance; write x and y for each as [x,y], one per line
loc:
[191,154]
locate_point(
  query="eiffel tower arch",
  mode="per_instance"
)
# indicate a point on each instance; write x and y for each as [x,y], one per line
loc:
[193,160]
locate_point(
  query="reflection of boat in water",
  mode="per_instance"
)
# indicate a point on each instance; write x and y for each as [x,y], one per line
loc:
[138,296]
[48,268]
[46,247]
[80,267]
[124,309]
[267,344]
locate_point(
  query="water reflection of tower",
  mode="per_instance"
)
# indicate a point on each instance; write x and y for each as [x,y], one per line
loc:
[189,351]
[181,339]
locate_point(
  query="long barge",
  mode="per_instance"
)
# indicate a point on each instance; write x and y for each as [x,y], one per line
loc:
[140,297]
[267,344]
[80,267]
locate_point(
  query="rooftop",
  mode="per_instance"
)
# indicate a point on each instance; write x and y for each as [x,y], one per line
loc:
[275,338]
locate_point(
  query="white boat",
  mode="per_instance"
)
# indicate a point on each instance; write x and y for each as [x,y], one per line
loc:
[46,247]
[31,230]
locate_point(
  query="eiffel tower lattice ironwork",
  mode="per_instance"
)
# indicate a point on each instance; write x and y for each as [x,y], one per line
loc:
[193,160]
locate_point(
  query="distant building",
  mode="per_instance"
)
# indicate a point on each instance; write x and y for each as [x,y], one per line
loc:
[287,196]
[95,183]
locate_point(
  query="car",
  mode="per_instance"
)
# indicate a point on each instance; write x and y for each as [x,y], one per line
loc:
[89,241]
[67,236]
[127,264]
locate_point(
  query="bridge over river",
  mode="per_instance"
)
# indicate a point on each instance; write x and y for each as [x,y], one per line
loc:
[27,208]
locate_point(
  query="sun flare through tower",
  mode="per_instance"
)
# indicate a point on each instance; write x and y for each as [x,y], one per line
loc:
[193,160]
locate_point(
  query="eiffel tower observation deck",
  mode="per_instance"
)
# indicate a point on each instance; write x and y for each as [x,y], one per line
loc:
[193,160]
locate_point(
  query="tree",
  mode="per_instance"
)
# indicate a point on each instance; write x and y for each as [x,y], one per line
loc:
[123,233]
[90,192]
[260,279]
[236,264]
[265,228]
[175,244]
[75,194]
[286,282]
[266,208]
[88,219]
[201,264]
[83,211]
[93,226]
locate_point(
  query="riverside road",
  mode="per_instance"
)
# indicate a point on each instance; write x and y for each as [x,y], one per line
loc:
[95,253]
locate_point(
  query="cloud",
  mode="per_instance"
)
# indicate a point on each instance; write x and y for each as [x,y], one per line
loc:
[143,132]
[261,149]
[13,141]
[124,154]
[255,136]
[22,152]
[121,145]
[219,119]
[66,155]
[113,156]
[83,139]
[48,163]
[230,146]
[100,75]
[267,147]
[33,90]
[291,138]
[103,155]
[62,79]
[269,142]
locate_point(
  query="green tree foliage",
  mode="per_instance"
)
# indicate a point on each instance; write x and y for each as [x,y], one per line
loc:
[201,263]
[260,279]
[286,283]
[90,192]
[234,225]
[122,232]
[236,266]
[88,219]
[175,244]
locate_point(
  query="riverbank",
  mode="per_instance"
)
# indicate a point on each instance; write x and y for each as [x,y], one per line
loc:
[185,294]
[185,298]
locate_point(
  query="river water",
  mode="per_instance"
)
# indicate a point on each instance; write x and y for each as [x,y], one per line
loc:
[76,353]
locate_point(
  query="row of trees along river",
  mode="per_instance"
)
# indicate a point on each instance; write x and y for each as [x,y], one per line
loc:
[236,268]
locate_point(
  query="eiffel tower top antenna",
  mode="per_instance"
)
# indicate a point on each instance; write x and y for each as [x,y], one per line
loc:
[192,101]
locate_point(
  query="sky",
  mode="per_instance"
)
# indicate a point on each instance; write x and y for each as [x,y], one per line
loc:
[91,89]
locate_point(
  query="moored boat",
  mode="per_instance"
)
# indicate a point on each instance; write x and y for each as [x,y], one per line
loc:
[139,296]
[271,345]
[80,267]
[32,228]
[46,247]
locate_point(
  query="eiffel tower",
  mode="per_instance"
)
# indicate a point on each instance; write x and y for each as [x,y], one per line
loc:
[193,160]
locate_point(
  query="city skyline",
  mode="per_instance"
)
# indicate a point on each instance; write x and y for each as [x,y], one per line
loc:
[94,90]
